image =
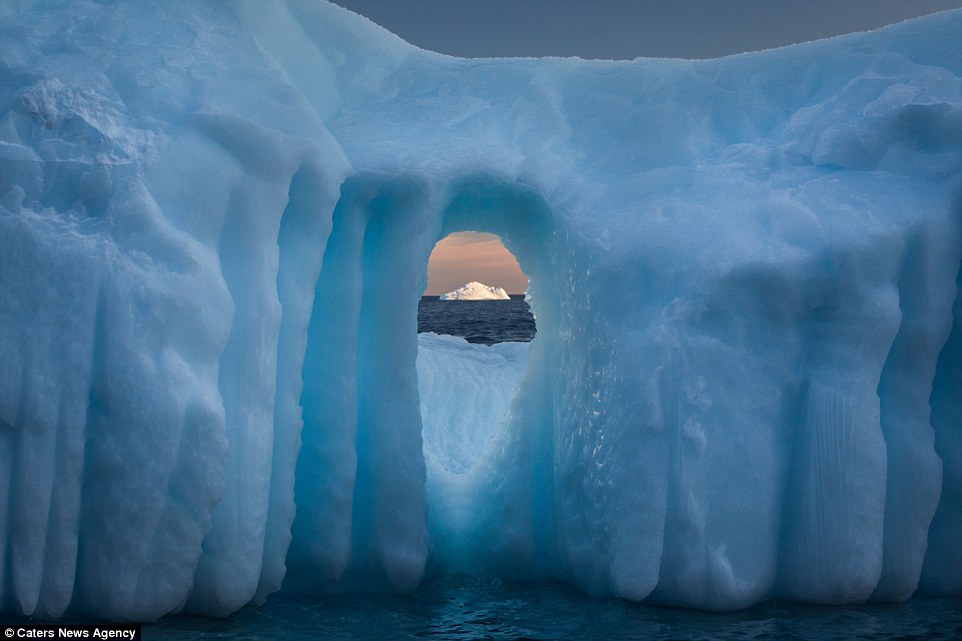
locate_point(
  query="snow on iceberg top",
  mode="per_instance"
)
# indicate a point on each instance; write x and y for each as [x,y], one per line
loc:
[476,291]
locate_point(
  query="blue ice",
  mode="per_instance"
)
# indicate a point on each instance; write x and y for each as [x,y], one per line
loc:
[216,219]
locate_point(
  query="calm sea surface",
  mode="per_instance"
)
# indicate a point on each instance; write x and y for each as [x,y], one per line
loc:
[462,608]
[478,321]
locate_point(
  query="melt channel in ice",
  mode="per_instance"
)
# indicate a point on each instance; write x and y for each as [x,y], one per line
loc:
[216,219]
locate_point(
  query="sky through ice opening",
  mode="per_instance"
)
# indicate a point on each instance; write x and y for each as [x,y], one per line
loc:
[466,266]
[472,354]
[468,256]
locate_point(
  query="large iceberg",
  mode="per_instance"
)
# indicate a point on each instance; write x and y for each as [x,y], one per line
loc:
[216,219]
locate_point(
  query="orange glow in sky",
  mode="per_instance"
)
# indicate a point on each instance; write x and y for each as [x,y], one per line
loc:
[465,256]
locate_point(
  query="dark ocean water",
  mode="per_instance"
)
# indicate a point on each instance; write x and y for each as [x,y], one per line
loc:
[462,608]
[478,321]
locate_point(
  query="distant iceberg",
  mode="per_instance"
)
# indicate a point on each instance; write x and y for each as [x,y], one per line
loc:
[476,291]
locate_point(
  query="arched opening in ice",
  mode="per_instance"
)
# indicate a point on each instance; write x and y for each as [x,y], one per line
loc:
[471,353]
[370,505]
[470,276]
[466,390]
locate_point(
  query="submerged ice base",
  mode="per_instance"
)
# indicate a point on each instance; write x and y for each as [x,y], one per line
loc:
[745,272]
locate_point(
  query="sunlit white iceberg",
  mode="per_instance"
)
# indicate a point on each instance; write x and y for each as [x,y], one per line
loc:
[476,291]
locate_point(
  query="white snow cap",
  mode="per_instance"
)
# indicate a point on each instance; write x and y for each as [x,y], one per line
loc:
[476,291]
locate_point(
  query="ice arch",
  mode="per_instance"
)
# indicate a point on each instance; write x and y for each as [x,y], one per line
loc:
[745,384]
[362,447]
[460,505]
[465,384]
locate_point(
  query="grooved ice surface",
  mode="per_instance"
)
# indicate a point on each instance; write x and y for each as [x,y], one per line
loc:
[216,219]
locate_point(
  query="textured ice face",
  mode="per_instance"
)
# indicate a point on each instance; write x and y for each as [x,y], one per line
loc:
[215,233]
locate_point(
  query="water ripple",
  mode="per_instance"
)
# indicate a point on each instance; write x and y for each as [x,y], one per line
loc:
[467,608]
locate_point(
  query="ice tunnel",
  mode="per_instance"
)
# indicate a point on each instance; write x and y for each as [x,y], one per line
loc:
[746,274]
[362,299]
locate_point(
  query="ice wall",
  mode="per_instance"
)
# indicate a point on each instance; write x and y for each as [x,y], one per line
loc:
[216,219]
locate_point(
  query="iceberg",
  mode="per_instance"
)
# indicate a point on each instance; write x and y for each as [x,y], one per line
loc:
[476,291]
[745,273]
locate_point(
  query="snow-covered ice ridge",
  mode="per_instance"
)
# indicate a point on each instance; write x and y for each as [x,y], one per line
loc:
[476,291]
[216,219]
